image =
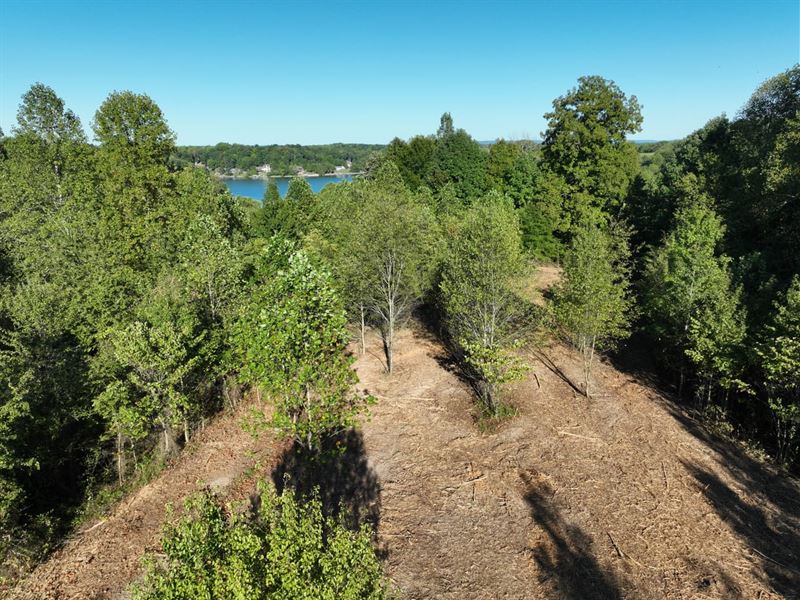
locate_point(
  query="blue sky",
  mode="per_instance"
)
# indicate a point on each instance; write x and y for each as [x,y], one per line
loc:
[307,72]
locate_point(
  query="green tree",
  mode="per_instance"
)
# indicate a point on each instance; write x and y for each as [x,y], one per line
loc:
[445,126]
[132,128]
[400,260]
[593,304]
[381,240]
[778,353]
[689,298]
[414,159]
[159,363]
[297,211]
[342,241]
[585,145]
[283,550]
[502,163]
[291,341]
[43,115]
[268,217]
[714,338]
[483,314]
[47,429]
[458,160]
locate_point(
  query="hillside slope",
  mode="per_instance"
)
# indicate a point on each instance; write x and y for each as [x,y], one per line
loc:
[620,496]
[102,559]
[605,498]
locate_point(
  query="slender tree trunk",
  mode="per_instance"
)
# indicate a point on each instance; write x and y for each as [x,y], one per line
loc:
[186,431]
[169,440]
[120,458]
[389,343]
[588,373]
[388,335]
[489,394]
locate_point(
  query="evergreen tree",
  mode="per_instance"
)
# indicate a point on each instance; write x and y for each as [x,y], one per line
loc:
[268,220]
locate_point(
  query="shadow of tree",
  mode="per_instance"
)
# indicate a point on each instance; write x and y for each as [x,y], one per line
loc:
[566,553]
[347,485]
[542,357]
[776,542]
[765,514]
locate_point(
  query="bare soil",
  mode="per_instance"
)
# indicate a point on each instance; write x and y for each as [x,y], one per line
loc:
[618,496]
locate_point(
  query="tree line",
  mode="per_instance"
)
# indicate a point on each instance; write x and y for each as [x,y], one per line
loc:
[716,238]
[284,160]
[135,302]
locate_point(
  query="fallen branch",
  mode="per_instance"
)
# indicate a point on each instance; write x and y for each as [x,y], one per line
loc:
[583,437]
[95,526]
[772,560]
[620,553]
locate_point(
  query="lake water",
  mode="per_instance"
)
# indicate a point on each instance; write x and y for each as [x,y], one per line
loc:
[255,188]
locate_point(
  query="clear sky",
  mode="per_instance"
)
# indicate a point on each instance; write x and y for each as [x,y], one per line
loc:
[307,72]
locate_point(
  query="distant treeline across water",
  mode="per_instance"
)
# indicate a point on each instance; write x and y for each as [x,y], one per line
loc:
[282,159]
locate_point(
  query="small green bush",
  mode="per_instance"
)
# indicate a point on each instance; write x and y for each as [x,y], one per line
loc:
[282,549]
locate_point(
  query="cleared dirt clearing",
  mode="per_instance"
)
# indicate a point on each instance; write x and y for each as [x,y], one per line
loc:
[574,498]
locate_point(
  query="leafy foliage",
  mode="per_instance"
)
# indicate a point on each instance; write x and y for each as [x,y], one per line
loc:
[119,275]
[282,550]
[291,339]
[689,296]
[779,356]
[381,239]
[593,302]
[716,237]
[483,314]
[585,146]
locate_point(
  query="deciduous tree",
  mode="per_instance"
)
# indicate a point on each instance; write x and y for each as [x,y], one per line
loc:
[484,315]
[585,145]
[592,304]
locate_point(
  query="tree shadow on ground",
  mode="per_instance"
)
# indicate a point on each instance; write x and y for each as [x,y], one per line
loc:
[566,552]
[774,541]
[765,514]
[347,485]
[543,358]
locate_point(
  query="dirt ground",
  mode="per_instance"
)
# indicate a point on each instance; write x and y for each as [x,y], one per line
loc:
[620,496]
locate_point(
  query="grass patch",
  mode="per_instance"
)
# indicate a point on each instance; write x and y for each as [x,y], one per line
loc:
[488,422]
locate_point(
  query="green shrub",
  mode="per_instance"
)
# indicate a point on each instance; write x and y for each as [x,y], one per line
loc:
[281,549]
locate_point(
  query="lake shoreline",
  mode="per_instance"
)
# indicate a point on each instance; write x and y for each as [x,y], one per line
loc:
[268,177]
